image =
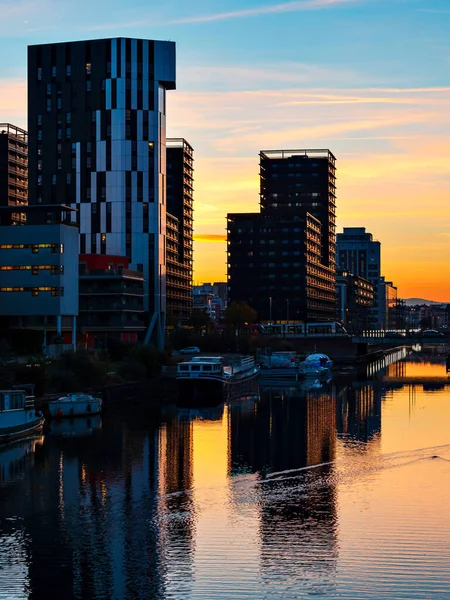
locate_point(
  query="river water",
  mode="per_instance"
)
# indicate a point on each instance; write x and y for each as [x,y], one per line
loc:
[335,492]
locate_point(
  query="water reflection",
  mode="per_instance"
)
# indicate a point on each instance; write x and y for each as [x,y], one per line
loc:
[285,494]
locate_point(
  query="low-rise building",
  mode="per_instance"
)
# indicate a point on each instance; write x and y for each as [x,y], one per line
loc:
[211,298]
[387,304]
[355,296]
[39,276]
[111,300]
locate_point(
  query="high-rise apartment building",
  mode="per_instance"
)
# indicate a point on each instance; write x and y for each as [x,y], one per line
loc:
[180,215]
[97,131]
[300,181]
[13,171]
[282,260]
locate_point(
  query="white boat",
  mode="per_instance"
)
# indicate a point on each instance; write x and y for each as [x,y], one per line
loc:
[205,381]
[75,405]
[279,360]
[18,417]
[316,364]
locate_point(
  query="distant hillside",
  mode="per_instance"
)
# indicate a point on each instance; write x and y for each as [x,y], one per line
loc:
[414,301]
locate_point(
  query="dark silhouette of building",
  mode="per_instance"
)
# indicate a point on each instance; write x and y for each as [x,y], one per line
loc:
[300,181]
[282,260]
[355,297]
[111,302]
[13,171]
[180,215]
[359,254]
[97,122]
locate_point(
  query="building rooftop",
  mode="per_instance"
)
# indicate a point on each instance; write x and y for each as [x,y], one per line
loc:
[178,143]
[304,152]
[14,131]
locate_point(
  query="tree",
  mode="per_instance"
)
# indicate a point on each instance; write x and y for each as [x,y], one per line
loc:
[200,319]
[239,314]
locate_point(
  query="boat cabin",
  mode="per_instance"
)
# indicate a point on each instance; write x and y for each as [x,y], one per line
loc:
[201,367]
[12,400]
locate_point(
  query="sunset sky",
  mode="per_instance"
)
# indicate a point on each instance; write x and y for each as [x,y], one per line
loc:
[369,79]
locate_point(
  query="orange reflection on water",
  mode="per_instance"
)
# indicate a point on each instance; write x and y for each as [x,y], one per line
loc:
[417,369]
[220,521]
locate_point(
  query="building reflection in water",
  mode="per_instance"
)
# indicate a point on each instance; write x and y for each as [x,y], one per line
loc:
[286,432]
[359,413]
[175,505]
[140,508]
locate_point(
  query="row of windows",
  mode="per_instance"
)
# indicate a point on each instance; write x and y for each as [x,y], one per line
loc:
[35,291]
[297,165]
[39,75]
[88,70]
[54,269]
[303,194]
[55,248]
[275,175]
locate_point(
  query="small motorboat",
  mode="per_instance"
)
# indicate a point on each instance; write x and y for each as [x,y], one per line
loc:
[279,360]
[316,364]
[74,405]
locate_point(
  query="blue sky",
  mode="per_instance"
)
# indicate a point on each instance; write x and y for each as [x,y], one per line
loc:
[370,79]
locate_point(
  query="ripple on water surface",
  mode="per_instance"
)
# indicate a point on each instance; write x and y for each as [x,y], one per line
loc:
[337,493]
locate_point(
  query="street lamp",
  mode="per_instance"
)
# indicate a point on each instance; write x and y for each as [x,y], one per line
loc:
[270,310]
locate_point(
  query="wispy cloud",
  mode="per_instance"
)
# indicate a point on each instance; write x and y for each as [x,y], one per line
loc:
[284,7]
[207,237]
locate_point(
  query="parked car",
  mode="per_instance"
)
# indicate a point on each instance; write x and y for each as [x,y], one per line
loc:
[190,350]
[394,334]
[431,333]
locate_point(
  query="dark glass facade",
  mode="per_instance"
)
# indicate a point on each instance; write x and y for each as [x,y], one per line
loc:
[282,260]
[274,264]
[180,218]
[97,132]
[13,171]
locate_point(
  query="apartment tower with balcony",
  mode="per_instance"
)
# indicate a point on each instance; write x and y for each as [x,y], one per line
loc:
[282,261]
[180,219]
[13,171]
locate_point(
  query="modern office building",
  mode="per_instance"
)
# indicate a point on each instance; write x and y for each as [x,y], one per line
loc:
[111,300]
[97,132]
[355,297]
[39,276]
[282,260]
[358,253]
[13,171]
[180,216]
